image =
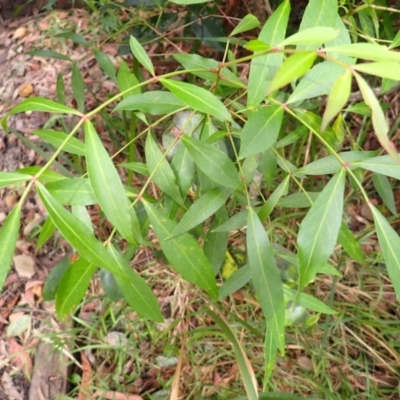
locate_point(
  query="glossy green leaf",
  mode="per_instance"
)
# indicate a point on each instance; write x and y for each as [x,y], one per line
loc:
[389,242]
[160,170]
[261,130]
[136,291]
[78,88]
[73,286]
[266,209]
[246,24]
[154,103]
[298,200]
[110,286]
[385,191]
[183,252]
[235,282]
[292,68]
[350,245]
[384,165]
[257,45]
[263,68]
[266,278]
[216,243]
[366,51]
[108,188]
[56,138]
[316,35]
[49,54]
[127,79]
[319,229]
[8,239]
[319,13]
[73,192]
[141,55]
[77,234]
[383,69]
[46,233]
[9,178]
[243,363]
[106,64]
[338,97]
[212,162]
[198,98]
[53,279]
[309,302]
[201,209]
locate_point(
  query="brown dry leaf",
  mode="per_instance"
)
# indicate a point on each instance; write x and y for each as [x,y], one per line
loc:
[305,363]
[25,90]
[9,389]
[116,395]
[20,32]
[25,266]
[84,387]
[20,358]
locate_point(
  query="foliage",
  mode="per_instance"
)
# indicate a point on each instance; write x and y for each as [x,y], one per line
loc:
[224,164]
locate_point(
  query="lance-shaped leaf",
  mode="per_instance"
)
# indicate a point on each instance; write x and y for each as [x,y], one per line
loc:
[263,68]
[319,13]
[350,244]
[77,234]
[108,188]
[183,167]
[56,138]
[337,99]
[8,240]
[261,130]
[385,190]
[389,241]
[266,278]
[293,67]
[198,98]
[235,282]
[316,35]
[270,353]
[72,192]
[9,178]
[383,69]
[161,171]
[46,232]
[106,64]
[308,301]
[212,161]
[201,209]
[183,252]
[73,286]
[141,55]
[272,201]
[319,230]
[384,165]
[379,122]
[78,88]
[246,24]
[136,291]
[127,79]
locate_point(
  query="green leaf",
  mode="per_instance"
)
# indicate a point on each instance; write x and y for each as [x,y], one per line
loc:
[350,244]
[319,13]
[108,188]
[109,285]
[383,69]
[183,252]
[316,35]
[235,282]
[261,130]
[160,170]
[319,229]
[127,79]
[46,176]
[273,200]
[73,286]
[212,161]
[53,279]
[248,23]
[56,138]
[60,89]
[141,55]
[292,68]
[78,88]
[46,232]
[77,234]
[8,239]
[238,221]
[263,68]
[201,209]
[270,353]
[266,278]
[136,291]
[74,37]
[138,167]
[298,200]
[384,189]
[106,64]
[389,242]
[309,302]
[338,97]
[382,165]
[257,45]
[83,215]
[9,178]
[48,54]
[183,167]
[245,367]
[198,98]
[153,103]
[72,192]
[366,51]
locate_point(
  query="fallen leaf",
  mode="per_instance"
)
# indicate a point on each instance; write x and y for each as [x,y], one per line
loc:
[115,338]
[9,389]
[84,387]
[25,266]
[20,358]
[20,32]
[305,363]
[25,90]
